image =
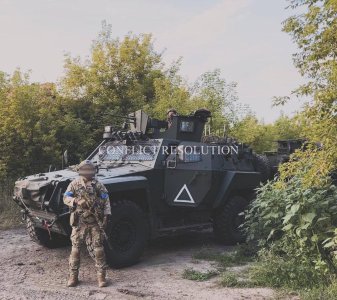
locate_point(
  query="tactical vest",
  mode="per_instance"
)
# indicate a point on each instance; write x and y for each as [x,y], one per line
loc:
[95,204]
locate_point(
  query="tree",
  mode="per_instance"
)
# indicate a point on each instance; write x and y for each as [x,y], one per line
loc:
[118,78]
[35,127]
[262,137]
[220,97]
[295,215]
[314,32]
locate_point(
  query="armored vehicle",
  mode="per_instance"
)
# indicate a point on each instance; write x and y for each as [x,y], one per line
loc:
[284,149]
[160,180]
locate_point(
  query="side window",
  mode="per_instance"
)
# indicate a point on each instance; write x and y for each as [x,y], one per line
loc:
[187,126]
[189,154]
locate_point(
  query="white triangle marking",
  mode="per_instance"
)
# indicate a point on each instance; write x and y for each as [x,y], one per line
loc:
[190,200]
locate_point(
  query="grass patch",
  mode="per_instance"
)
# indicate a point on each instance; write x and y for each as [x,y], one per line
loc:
[321,292]
[278,272]
[229,279]
[291,277]
[192,274]
[240,256]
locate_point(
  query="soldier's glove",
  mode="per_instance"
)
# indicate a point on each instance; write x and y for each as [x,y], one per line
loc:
[82,203]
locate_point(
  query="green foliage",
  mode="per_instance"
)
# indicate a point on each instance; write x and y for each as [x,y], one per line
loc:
[294,218]
[35,127]
[241,255]
[229,280]
[38,122]
[233,280]
[286,272]
[322,292]
[297,221]
[192,274]
[314,32]
[261,137]
[210,91]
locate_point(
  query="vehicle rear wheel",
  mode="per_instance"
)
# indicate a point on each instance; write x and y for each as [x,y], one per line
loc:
[128,232]
[226,222]
[41,236]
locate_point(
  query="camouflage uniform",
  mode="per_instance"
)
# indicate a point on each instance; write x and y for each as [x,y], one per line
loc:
[83,222]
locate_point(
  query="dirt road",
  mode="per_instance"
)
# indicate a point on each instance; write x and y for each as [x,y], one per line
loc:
[29,271]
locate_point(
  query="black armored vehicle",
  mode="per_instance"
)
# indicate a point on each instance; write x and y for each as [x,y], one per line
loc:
[282,154]
[160,180]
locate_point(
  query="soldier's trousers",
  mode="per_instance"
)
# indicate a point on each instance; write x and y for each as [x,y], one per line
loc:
[90,234]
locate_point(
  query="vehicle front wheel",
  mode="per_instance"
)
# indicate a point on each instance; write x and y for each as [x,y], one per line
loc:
[227,221]
[128,233]
[42,237]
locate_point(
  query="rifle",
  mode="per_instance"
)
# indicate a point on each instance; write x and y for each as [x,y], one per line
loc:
[91,206]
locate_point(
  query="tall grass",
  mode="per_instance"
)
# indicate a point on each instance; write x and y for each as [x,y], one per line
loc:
[9,211]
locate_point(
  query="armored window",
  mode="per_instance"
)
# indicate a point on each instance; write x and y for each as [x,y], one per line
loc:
[189,154]
[186,126]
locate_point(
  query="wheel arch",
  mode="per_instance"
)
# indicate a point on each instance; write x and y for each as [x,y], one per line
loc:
[131,188]
[236,183]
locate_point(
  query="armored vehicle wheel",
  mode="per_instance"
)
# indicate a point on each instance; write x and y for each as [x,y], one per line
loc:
[262,165]
[41,236]
[227,221]
[128,233]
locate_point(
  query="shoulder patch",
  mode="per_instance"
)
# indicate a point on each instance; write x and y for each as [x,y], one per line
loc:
[104,196]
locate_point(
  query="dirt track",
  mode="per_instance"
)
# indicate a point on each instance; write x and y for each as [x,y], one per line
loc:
[29,271]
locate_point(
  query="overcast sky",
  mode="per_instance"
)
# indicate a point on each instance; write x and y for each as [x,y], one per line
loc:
[241,37]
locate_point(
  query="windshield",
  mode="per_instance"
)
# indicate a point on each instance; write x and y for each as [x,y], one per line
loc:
[136,151]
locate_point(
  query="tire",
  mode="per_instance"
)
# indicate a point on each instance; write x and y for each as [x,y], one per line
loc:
[41,236]
[262,165]
[226,222]
[128,232]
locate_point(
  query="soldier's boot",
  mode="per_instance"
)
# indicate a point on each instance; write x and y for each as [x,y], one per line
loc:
[73,279]
[100,265]
[101,279]
[74,265]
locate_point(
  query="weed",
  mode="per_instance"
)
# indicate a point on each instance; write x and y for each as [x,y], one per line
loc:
[192,274]
[277,272]
[229,279]
[322,292]
[237,257]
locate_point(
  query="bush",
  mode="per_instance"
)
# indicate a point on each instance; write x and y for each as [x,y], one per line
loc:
[296,222]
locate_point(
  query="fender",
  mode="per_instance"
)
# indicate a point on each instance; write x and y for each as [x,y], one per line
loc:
[117,184]
[127,183]
[234,180]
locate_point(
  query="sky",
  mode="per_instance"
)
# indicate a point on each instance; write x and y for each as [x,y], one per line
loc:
[243,38]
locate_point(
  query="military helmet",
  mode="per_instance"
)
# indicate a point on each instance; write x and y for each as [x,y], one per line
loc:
[171,110]
[86,168]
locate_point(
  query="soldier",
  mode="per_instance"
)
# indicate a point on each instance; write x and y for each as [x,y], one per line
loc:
[90,202]
[169,116]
